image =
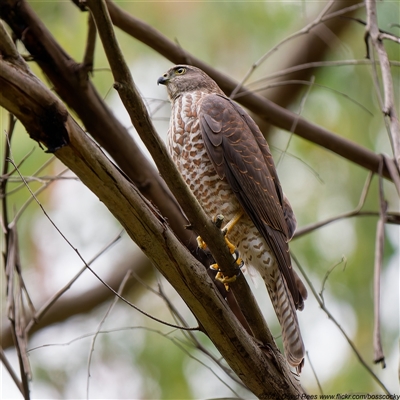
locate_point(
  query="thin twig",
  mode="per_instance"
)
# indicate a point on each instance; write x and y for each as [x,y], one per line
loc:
[330,316]
[389,109]
[40,190]
[5,173]
[92,271]
[314,373]
[193,339]
[322,17]
[307,83]
[10,370]
[321,293]
[302,104]
[127,276]
[393,171]
[14,282]
[314,64]
[30,152]
[356,211]
[46,307]
[87,64]
[379,357]
[301,160]
[389,36]
[175,341]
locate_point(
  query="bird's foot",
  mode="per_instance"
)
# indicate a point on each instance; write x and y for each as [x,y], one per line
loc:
[201,243]
[226,280]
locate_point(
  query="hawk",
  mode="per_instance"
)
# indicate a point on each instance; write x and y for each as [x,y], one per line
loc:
[225,160]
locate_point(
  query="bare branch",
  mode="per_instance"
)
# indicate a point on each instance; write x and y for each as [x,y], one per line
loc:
[315,64]
[10,370]
[314,373]
[379,357]
[389,109]
[388,36]
[322,17]
[393,171]
[349,341]
[87,301]
[88,58]
[37,317]
[121,288]
[301,107]
[356,211]
[15,287]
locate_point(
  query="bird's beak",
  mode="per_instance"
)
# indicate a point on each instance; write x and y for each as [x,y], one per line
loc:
[163,79]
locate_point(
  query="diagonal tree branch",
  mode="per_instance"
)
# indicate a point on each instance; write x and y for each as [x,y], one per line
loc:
[199,220]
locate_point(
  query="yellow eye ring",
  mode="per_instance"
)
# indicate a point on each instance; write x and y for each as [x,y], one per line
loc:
[180,71]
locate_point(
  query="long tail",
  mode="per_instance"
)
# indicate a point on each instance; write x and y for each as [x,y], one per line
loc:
[286,313]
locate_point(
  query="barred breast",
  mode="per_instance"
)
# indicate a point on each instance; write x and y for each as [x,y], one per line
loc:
[186,146]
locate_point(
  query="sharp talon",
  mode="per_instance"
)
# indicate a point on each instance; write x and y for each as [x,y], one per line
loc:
[237,259]
[201,243]
[218,220]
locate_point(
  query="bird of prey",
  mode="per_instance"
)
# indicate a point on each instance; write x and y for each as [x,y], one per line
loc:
[225,160]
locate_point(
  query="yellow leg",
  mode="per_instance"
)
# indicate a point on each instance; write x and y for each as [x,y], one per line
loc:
[228,227]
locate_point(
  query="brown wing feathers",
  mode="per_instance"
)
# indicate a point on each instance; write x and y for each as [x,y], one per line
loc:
[240,153]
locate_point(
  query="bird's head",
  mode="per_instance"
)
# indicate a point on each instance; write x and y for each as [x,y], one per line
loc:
[186,78]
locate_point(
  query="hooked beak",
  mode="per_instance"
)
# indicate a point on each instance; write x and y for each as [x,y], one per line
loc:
[163,79]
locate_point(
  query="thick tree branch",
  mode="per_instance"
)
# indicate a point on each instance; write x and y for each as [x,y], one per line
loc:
[199,220]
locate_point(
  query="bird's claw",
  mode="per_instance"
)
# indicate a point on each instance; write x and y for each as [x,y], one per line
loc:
[201,243]
[226,280]
[237,259]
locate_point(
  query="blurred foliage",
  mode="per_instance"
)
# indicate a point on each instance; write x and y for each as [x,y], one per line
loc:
[230,36]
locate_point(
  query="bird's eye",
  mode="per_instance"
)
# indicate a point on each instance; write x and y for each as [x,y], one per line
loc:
[180,71]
